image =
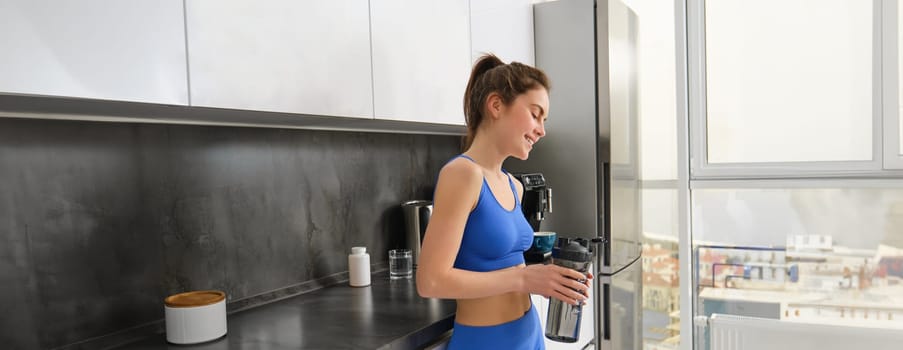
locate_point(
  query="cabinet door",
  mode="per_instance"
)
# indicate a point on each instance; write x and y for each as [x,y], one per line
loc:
[308,57]
[99,49]
[504,28]
[421,59]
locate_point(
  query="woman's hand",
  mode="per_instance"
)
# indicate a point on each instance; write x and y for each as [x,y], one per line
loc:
[557,282]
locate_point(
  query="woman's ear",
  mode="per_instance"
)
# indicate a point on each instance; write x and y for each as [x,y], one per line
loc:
[494,105]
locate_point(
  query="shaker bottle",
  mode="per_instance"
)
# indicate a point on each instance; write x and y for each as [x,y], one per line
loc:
[563,322]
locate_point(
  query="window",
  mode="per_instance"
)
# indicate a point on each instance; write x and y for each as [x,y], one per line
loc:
[657,118]
[788,88]
[812,255]
[797,104]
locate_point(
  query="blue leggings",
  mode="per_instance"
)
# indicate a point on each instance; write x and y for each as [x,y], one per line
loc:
[524,333]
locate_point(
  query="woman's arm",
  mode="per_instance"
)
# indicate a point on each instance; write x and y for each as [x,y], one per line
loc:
[457,192]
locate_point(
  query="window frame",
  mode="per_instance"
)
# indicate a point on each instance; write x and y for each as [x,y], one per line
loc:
[891,85]
[701,169]
[884,171]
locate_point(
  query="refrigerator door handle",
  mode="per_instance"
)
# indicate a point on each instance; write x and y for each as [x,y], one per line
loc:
[600,302]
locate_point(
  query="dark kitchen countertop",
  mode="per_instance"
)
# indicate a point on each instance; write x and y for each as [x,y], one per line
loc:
[385,315]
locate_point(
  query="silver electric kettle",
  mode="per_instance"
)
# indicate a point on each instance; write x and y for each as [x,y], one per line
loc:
[416,216]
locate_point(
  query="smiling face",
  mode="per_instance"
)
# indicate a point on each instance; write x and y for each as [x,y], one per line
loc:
[520,125]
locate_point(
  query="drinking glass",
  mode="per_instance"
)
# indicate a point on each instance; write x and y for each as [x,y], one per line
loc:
[401,264]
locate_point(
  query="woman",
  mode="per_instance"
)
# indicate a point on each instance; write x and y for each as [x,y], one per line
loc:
[473,247]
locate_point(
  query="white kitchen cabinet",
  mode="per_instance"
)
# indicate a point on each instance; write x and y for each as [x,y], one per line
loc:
[97,49]
[504,28]
[306,57]
[421,59]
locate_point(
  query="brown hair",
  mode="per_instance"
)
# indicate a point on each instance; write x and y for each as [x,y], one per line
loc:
[490,75]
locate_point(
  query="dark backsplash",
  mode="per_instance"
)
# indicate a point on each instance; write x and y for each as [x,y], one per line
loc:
[100,221]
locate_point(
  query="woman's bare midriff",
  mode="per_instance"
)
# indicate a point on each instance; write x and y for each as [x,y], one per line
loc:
[493,310]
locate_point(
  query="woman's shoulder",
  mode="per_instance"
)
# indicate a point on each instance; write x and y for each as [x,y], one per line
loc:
[461,170]
[460,181]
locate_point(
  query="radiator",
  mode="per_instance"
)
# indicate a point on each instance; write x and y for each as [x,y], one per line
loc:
[729,332]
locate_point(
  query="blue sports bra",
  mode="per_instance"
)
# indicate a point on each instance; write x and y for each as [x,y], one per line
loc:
[494,237]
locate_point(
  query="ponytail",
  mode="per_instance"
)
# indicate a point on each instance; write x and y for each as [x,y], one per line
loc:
[474,95]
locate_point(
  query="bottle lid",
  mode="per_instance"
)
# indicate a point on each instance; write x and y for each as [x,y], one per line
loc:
[195,298]
[572,249]
[358,250]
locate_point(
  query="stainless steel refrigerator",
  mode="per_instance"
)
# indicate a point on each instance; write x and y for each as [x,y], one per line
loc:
[590,154]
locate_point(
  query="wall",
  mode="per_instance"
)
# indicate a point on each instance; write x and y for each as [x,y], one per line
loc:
[100,221]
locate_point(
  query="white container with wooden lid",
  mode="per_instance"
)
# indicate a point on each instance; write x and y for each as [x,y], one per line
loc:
[195,317]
